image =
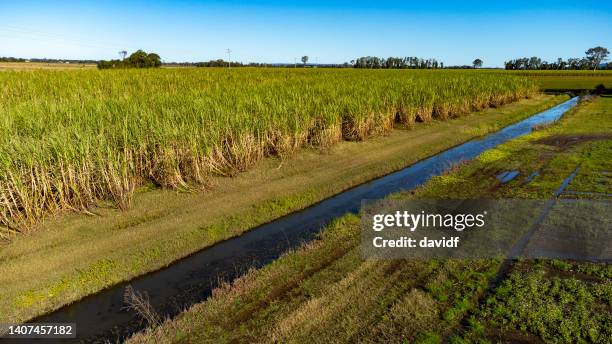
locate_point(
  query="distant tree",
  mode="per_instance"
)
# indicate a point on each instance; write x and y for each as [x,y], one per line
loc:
[375,62]
[560,63]
[304,60]
[573,63]
[586,64]
[477,63]
[223,63]
[596,56]
[109,64]
[122,54]
[153,60]
[534,63]
[138,59]
[394,62]
[12,59]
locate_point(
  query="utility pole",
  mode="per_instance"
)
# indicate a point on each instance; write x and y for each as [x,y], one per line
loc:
[229,58]
[295,62]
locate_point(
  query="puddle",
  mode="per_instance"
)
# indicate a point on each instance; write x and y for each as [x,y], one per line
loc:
[507,176]
[567,141]
[530,177]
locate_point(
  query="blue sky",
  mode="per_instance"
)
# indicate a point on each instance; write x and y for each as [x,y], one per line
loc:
[327,31]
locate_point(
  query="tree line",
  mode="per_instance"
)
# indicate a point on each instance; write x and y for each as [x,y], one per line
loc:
[43,60]
[223,63]
[593,60]
[218,63]
[411,62]
[138,59]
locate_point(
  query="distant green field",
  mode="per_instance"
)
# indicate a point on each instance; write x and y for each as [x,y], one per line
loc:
[569,80]
[573,82]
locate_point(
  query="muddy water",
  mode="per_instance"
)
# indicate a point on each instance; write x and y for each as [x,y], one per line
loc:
[103,316]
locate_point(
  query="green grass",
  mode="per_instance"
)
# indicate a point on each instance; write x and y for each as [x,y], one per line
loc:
[573,82]
[50,267]
[325,292]
[538,301]
[553,301]
[588,131]
[568,80]
[72,138]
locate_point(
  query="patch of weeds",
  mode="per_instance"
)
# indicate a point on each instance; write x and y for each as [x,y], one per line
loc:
[429,338]
[553,309]
[476,326]
[460,307]
[95,273]
[99,271]
[492,156]
[439,290]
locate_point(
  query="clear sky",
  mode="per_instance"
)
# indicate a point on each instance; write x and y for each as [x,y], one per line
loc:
[328,31]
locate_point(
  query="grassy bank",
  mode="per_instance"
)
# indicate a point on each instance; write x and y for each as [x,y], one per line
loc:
[70,139]
[75,255]
[325,292]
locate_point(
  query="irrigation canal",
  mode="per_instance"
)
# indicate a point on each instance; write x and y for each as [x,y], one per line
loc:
[103,317]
